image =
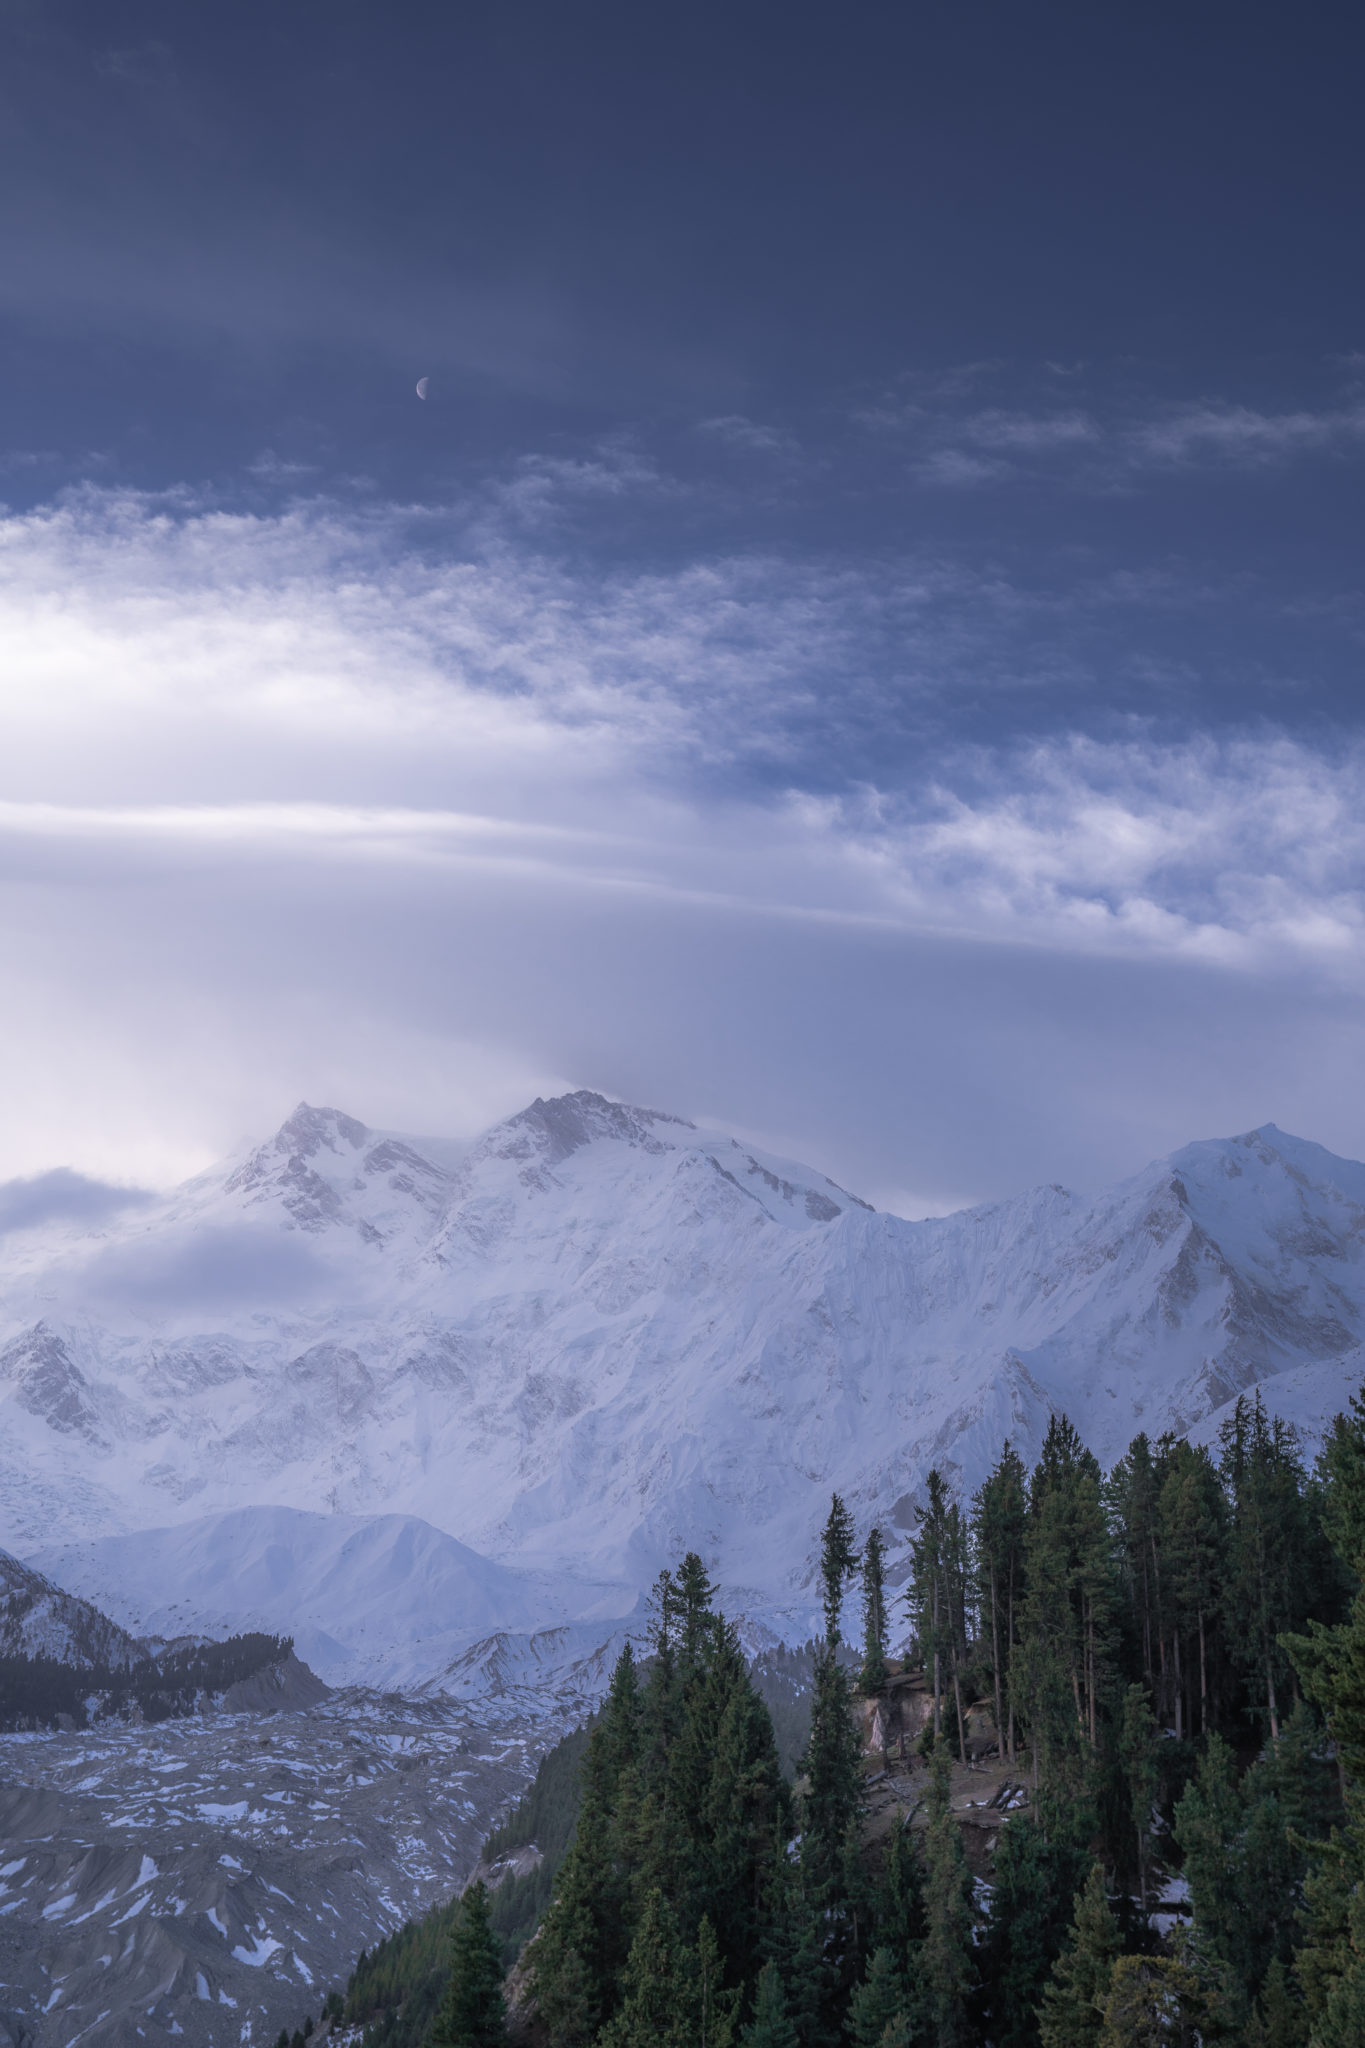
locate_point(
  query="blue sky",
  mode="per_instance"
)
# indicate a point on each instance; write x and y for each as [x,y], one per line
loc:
[860,643]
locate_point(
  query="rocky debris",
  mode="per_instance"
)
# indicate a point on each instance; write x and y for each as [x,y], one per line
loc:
[212,1879]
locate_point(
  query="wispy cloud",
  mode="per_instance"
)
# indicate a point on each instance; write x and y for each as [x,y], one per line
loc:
[289,687]
[1109,441]
[354,791]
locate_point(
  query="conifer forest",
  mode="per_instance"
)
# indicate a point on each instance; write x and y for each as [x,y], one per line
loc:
[1111,1794]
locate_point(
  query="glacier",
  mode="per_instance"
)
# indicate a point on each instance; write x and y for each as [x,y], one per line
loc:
[401,1395]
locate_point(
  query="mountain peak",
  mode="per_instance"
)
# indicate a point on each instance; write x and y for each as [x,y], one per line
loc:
[311,1130]
[552,1130]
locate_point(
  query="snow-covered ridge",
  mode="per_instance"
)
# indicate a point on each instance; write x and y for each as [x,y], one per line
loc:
[38,1619]
[599,1335]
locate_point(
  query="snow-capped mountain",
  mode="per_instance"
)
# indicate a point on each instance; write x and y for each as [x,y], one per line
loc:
[599,1335]
[383,1599]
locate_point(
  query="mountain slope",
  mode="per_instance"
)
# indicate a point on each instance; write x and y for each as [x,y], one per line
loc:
[599,1334]
[37,1619]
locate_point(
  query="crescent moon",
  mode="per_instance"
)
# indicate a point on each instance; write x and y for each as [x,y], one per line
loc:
[422,383]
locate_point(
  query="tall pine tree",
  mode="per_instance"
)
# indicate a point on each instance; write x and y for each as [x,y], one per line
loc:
[472,2014]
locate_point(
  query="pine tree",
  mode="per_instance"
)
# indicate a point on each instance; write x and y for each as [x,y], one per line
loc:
[1208,1829]
[1138,1759]
[899,1909]
[1330,1964]
[838,1560]
[1132,1491]
[694,1595]
[875,1673]
[946,1958]
[657,2008]
[832,1805]
[1069,1611]
[999,1518]
[472,2015]
[1074,1999]
[713,2005]
[745,1806]
[879,2011]
[771,2025]
[1153,2002]
[1192,1519]
[587,1931]
[1039,1866]
[1342,1472]
[1279,2020]
[937,1595]
[1267,1588]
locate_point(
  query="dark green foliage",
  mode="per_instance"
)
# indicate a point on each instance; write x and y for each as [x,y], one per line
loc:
[1139,1746]
[1279,2020]
[1267,1578]
[999,1523]
[1245,1844]
[937,1596]
[1070,1608]
[1341,1472]
[874,1674]
[1153,2002]
[656,2005]
[1072,2010]
[680,1837]
[947,1959]
[881,2011]
[179,1680]
[472,2014]
[899,1906]
[838,1561]
[1039,1866]
[771,2025]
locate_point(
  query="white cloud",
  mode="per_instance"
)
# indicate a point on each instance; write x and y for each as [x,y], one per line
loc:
[333,804]
[1216,431]
[1112,441]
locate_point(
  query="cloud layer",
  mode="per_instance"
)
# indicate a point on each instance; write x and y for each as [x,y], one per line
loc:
[362,798]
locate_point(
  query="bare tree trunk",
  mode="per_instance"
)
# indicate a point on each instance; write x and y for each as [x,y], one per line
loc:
[1013,1758]
[1179,1686]
[1203,1679]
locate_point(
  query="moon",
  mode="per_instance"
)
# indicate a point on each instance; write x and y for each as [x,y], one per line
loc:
[422,383]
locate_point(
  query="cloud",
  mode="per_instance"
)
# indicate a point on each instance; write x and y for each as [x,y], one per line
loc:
[213,1270]
[189,686]
[1031,433]
[363,804]
[62,1196]
[1113,440]
[1241,434]
[750,435]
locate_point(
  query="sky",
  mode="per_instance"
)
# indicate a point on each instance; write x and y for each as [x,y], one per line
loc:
[860,643]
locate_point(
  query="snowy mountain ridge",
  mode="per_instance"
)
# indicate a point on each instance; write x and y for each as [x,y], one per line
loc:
[599,1335]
